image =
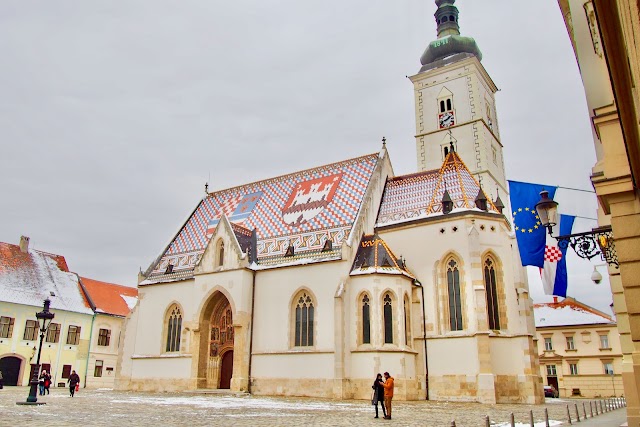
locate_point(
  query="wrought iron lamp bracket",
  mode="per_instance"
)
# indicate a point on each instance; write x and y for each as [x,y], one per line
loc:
[591,244]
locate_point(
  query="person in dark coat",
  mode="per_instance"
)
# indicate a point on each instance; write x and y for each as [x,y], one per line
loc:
[41,382]
[73,380]
[378,395]
[47,382]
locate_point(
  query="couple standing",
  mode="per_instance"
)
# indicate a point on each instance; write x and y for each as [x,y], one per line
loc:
[383,390]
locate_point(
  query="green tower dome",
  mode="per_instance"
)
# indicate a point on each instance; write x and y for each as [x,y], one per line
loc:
[449,41]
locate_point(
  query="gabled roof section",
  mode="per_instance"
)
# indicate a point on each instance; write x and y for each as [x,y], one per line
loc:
[419,195]
[303,209]
[569,312]
[109,298]
[375,257]
[30,277]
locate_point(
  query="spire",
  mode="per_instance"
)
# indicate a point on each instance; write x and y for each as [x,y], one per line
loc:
[481,200]
[498,203]
[447,18]
[449,42]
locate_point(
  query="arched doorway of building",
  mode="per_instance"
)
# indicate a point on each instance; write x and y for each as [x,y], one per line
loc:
[216,345]
[10,367]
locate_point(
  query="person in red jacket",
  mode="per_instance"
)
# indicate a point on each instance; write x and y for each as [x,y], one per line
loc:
[388,393]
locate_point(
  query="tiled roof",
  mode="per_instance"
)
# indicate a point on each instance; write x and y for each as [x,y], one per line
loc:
[110,298]
[568,312]
[30,277]
[303,209]
[419,195]
[375,256]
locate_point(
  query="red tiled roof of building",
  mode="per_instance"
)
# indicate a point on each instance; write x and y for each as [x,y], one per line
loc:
[110,298]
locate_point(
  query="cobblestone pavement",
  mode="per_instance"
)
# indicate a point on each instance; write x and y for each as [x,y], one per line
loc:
[114,408]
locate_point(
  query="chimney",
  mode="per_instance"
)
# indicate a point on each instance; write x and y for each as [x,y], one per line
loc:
[555,300]
[24,244]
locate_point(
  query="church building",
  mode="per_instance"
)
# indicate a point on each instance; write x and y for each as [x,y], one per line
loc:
[310,283]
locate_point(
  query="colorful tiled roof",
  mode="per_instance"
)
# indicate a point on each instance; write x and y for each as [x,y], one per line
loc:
[110,298]
[302,209]
[30,277]
[419,195]
[375,256]
[568,312]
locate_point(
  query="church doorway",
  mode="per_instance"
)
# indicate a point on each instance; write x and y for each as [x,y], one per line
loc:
[10,367]
[216,355]
[226,370]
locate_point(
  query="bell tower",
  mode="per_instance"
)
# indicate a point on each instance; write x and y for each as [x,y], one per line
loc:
[455,104]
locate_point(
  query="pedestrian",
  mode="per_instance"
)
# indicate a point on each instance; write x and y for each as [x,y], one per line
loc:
[388,394]
[1,381]
[41,378]
[378,395]
[73,381]
[47,382]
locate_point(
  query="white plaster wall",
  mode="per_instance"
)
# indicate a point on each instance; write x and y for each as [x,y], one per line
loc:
[293,365]
[457,356]
[161,367]
[504,360]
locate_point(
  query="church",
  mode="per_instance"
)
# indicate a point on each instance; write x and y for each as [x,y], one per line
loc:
[310,283]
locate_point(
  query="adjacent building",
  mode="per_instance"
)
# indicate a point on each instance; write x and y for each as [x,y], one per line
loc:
[85,332]
[579,349]
[605,35]
[310,283]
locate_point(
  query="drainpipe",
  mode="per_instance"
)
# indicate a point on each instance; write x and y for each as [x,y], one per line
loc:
[93,319]
[253,258]
[424,338]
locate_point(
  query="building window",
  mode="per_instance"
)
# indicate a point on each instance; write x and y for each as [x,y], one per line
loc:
[551,370]
[608,368]
[455,302]
[304,321]
[73,335]
[388,319]
[491,289]
[30,330]
[548,344]
[53,333]
[604,341]
[573,369]
[97,371]
[174,329]
[66,371]
[366,320]
[407,321]
[104,336]
[570,344]
[6,327]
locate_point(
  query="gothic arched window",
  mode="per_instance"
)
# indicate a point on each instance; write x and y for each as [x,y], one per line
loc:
[174,328]
[388,318]
[455,302]
[366,320]
[491,289]
[304,316]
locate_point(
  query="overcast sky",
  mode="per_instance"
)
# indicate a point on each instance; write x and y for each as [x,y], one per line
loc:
[113,115]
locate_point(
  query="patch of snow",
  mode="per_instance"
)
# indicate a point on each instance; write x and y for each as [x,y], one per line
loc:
[546,315]
[131,301]
[536,424]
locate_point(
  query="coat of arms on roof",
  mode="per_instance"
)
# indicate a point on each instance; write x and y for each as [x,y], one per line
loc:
[309,198]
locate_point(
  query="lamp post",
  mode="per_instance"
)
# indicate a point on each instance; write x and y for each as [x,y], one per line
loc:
[46,316]
[598,241]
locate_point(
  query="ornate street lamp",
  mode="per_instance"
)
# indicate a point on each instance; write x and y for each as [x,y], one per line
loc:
[46,317]
[598,241]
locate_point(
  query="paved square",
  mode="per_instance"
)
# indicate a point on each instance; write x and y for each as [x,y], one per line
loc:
[114,408]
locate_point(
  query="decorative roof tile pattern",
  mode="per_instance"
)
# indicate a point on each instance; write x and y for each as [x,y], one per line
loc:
[568,312]
[304,209]
[109,298]
[30,277]
[375,256]
[419,195]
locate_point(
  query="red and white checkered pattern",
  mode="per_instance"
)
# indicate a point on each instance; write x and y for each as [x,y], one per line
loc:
[552,254]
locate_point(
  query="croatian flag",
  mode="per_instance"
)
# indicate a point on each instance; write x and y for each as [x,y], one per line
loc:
[554,272]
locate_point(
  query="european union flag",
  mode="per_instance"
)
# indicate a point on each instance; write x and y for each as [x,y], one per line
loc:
[530,233]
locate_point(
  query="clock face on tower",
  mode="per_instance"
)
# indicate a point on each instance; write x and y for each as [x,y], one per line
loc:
[446,119]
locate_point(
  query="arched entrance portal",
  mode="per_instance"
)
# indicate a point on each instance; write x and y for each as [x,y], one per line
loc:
[216,358]
[10,367]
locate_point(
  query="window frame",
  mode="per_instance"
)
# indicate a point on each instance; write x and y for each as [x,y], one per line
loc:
[75,335]
[608,368]
[573,368]
[552,371]
[104,337]
[490,278]
[53,333]
[173,329]
[548,344]
[365,304]
[304,319]
[97,369]
[387,317]
[31,328]
[454,295]
[604,339]
[571,344]
[6,326]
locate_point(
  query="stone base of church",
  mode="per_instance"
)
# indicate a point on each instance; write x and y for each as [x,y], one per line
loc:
[157,385]
[487,388]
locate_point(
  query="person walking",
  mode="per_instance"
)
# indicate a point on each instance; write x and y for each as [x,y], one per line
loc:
[73,381]
[378,395]
[41,378]
[47,382]
[388,394]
